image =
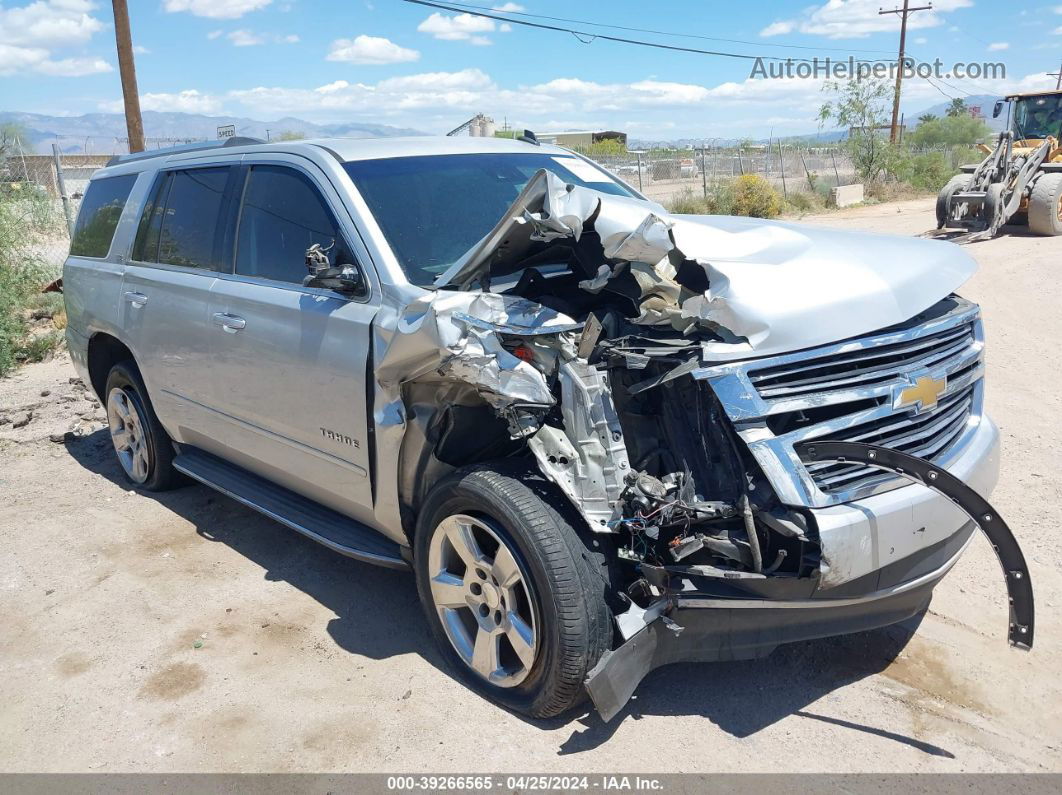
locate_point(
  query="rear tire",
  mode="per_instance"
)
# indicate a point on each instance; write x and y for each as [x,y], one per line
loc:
[959,182]
[565,623]
[1045,206]
[144,449]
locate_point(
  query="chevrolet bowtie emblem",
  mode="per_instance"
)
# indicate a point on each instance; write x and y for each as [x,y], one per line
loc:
[922,394]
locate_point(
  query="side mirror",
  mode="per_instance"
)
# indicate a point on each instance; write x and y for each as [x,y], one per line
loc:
[346,280]
[997,109]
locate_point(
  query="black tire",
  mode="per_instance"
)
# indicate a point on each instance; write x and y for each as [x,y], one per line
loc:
[568,585]
[959,182]
[161,476]
[1045,206]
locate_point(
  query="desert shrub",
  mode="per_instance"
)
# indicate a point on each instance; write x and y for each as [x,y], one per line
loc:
[805,202]
[928,171]
[756,197]
[27,318]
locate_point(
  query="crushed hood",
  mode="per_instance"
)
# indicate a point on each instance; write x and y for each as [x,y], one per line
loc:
[772,287]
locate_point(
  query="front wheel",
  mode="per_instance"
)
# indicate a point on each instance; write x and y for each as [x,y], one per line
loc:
[1045,205]
[509,590]
[956,184]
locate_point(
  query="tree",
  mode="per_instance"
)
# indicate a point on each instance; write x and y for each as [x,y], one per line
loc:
[14,140]
[925,118]
[863,106]
[291,135]
[961,130]
[957,108]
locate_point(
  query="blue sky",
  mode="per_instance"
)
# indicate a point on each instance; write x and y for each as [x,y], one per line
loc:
[392,62]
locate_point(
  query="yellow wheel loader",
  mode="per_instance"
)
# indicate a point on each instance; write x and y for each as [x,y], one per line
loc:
[1019,180]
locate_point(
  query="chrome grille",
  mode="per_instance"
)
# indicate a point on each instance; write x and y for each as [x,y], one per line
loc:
[862,366]
[925,435]
[850,391]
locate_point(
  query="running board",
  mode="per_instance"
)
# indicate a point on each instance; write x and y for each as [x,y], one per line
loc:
[336,531]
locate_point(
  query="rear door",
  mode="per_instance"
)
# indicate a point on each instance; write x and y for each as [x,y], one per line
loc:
[165,300]
[290,361]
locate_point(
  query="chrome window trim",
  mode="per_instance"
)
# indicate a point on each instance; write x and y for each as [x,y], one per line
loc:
[791,480]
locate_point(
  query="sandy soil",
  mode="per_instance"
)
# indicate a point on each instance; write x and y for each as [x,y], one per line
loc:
[186,633]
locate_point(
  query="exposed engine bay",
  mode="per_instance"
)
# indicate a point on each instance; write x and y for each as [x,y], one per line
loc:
[570,332]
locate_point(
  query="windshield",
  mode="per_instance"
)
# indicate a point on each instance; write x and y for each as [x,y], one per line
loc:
[1039,117]
[432,209]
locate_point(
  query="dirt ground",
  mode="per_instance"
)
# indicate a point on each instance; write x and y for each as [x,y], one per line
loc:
[183,632]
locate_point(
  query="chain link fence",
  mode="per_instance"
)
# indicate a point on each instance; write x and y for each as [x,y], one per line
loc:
[666,174]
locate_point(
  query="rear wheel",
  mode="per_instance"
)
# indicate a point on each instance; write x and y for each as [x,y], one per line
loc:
[508,589]
[959,182]
[143,448]
[1045,205]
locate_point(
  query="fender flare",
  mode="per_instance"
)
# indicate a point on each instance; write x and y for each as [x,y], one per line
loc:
[999,535]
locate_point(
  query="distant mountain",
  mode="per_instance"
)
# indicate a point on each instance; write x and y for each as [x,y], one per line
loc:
[98,131]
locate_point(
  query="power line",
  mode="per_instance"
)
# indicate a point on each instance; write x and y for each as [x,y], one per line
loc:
[588,36]
[471,7]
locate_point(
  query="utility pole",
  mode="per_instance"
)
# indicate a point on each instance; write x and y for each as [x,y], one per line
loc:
[904,12]
[1058,74]
[134,124]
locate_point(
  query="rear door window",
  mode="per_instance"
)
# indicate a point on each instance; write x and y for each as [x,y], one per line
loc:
[98,217]
[182,220]
[283,215]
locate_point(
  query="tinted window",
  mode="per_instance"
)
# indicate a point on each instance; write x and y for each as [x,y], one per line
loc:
[283,215]
[181,219]
[146,247]
[98,217]
[433,209]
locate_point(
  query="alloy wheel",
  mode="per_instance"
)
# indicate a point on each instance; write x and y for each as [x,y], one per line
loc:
[128,435]
[483,599]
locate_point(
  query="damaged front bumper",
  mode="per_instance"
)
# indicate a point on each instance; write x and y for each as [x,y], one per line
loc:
[702,629]
[692,627]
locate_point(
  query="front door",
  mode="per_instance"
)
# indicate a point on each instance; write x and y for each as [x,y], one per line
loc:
[290,361]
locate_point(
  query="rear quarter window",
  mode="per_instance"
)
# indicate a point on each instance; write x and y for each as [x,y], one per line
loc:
[98,217]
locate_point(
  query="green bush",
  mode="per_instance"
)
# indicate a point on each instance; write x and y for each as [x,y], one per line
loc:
[27,218]
[756,197]
[748,195]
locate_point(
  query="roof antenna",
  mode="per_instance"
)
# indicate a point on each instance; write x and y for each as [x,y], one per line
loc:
[529,137]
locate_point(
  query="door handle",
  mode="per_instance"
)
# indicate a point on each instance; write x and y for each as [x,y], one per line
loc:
[230,323]
[135,298]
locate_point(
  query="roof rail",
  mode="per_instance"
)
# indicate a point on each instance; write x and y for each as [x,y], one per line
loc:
[198,146]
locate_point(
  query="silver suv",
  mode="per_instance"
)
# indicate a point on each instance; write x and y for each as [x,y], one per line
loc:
[580,420]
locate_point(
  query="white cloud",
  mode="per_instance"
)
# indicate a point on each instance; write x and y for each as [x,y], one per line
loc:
[245,38]
[216,9]
[74,67]
[215,34]
[778,28]
[370,50]
[463,27]
[48,23]
[997,46]
[249,38]
[188,101]
[1057,31]
[848,19]
[921,40]
[510,8]
[140,50]
[30,35]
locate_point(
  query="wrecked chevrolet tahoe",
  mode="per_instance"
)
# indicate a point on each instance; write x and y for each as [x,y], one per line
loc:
[598,433]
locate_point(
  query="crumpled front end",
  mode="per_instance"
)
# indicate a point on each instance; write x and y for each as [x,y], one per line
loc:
[661,372]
